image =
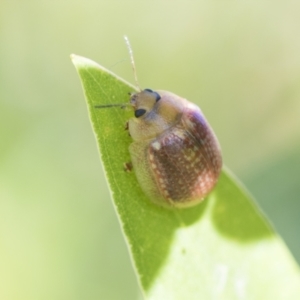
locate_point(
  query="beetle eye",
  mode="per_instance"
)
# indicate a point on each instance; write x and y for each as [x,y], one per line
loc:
[148,90]
[139,112]
[157,96]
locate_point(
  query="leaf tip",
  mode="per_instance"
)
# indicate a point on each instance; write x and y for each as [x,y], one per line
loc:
[73,56]
[80,61]
[77,59]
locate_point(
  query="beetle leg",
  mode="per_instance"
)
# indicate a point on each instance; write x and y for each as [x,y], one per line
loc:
[126,127]
[128,166]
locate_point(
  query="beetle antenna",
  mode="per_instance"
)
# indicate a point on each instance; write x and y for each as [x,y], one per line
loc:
[132,61]
[122,105]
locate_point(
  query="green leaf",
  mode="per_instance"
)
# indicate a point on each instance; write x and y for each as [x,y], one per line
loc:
[220,249]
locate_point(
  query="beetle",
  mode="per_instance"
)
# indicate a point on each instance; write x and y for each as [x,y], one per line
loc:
[175,154]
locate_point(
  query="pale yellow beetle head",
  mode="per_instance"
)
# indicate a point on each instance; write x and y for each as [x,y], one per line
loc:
[155,112]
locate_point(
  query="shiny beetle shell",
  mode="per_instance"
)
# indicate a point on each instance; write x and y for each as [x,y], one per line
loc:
[175,154]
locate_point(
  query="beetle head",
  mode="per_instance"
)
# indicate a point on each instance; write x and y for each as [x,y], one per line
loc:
[155,112]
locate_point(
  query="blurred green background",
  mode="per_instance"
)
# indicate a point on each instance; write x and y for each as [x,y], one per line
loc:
[239,60]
